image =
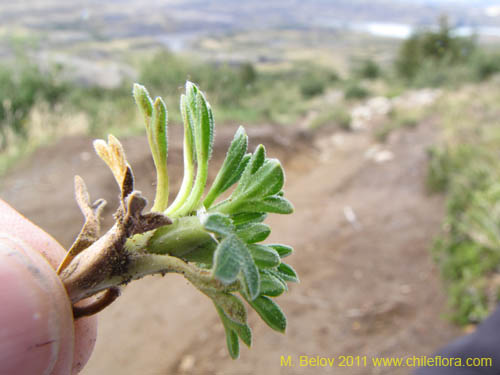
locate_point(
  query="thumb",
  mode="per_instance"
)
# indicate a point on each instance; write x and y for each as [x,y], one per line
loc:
[36,323]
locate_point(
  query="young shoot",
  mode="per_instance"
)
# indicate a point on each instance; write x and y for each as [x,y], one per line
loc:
[217,245]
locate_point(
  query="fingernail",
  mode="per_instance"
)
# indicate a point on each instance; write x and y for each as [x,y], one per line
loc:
[29,335]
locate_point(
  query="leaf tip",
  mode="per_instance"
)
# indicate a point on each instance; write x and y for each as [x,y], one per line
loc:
[142,99]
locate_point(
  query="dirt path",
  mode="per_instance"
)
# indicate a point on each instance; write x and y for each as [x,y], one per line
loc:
[368,287]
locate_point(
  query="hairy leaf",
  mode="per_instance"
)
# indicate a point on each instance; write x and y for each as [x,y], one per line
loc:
[159,128]
[267,180]
[254,232]
[270,312]
[232,307]
[248,217]
[143,100]
[273,204]
[264,256]
[236,175]
[241,329]
[283,250]
[233,344]
[287,272]
[234,155]
[270,285]
[218,223]
[251,274]
[255,162]
[228,259]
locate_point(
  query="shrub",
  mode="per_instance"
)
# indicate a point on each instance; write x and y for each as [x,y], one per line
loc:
[366,69]
[354,90]
[427,49]
[20,88]
[247,73]
[467,251]
[312,86]
[485,65]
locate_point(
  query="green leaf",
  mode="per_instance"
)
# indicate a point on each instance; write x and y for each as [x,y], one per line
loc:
[233,314]
[237,172]
[185,238]
[189,153]
[203,139]
[143,100]
[264,256]
[283,250]
[277,275]
[231,256]
[228,259]
[254,232]
[160,144]
[287,272]
[233,344]
[212,129]
[251,274]
[234,155]
[270,312]
[270,285]
[232,307]
[159,127]
[243,331]
[273,203]
[218,223]
[248,217]
[204,130]
[256,161]
[188,111]
[268,180]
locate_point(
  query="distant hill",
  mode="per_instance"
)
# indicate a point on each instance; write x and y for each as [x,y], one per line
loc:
[131,18]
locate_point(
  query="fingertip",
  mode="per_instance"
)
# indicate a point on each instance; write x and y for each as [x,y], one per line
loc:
[80,335]
[85,339]
[37,335]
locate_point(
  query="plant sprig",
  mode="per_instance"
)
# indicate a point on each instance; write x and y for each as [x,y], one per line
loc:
[216,245]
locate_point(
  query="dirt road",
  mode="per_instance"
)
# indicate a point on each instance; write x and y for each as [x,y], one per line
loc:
[361,233]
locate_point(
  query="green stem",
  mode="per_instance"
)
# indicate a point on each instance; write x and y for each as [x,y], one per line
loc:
[225,207]
[141,265]
[194,199]
[157,136]
[187,181]
[212,194]
[161,197]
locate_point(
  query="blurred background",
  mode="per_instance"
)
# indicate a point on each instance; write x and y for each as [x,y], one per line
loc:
[385,114]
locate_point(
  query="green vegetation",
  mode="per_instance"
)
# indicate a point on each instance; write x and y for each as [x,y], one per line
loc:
[355,90]
[336,116]
[20,89]
[440,58]
[366,69]
[465,166]
[242,94]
